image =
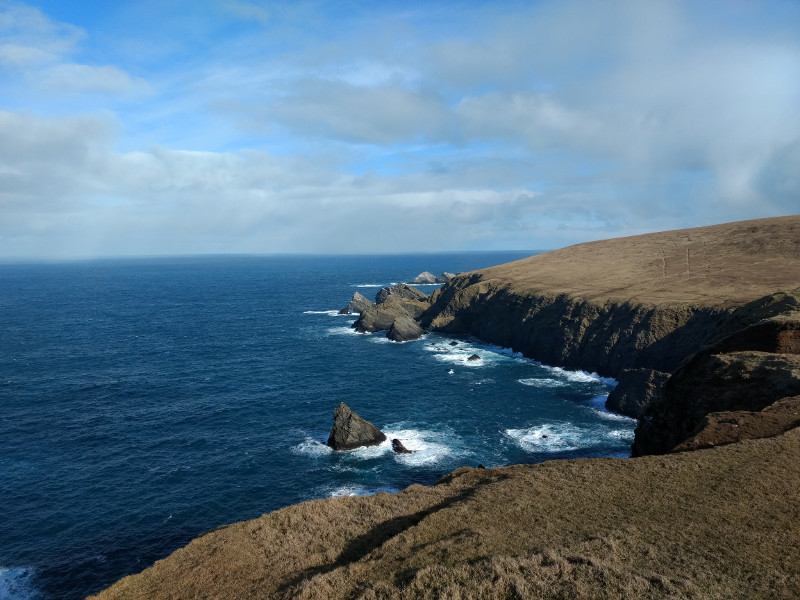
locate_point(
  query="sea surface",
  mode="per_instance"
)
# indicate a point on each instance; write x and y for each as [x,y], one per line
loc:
[146,401]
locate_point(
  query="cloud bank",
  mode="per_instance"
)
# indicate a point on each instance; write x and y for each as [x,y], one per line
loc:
[315,128]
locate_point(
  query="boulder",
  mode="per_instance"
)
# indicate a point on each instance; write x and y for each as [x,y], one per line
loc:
[358,304]
[404,329]
[351,431]
[424,278]
[398,448]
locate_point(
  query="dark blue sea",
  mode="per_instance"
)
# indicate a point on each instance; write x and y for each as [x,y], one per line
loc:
[144,402]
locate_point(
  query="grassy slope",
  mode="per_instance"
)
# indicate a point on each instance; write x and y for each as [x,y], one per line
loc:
[722,265]
[717,523]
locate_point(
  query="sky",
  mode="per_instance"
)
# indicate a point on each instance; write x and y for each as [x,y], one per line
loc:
[230,126]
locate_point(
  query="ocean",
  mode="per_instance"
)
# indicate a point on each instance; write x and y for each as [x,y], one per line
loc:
[146,401]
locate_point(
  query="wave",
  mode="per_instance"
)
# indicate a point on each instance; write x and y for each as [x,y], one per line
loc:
[343,330]
[16,583]
[599,408]
[580,376]
[373,285]
[545,382]
[357,490]
[312,447]
[563,437]
[427,448]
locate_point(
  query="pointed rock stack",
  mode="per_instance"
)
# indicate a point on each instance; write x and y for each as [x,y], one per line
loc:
[351,431]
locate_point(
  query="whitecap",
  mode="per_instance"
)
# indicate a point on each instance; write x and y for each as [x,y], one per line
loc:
[550,437]
[580,376]
[460,357]
[345,330]
[312,447]
[372,285]
[625,435]
[544,382]
[330,313]
[599,408]
[16,583]
[357,490]
[427,447]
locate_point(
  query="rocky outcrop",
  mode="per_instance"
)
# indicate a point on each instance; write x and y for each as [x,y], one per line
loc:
[428,278]
[395,311]
[350,431]
[401,290]
[358,304]
[404,329]
[636,390]
[751,361]
[399,448]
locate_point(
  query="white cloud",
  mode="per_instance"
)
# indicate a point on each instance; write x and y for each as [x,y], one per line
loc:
[71,78]
[515,125]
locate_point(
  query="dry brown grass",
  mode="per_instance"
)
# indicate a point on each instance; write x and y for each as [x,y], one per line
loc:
[717,523]
[719,266]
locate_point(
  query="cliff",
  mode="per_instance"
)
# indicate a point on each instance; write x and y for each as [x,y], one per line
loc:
[714,311]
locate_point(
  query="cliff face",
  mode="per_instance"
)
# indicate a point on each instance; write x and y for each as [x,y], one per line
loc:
[563,330]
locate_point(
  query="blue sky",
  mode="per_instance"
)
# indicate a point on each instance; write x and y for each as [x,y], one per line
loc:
[233,126]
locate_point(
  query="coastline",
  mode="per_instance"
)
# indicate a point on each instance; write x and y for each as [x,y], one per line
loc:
[661,525]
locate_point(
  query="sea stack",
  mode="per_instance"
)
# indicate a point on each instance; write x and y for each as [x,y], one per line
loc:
[350,431]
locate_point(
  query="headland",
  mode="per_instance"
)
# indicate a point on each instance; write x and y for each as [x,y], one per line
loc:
[702,328]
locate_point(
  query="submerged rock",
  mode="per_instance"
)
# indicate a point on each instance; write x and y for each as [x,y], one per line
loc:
[351,431]
[397,447]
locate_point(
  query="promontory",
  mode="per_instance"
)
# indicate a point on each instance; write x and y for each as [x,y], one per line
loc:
[702,329]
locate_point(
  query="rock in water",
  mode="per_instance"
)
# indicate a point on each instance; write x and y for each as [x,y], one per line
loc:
[397,447]
[358,304]
[445,277]
[474,357]
[424,277]
[351,431]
